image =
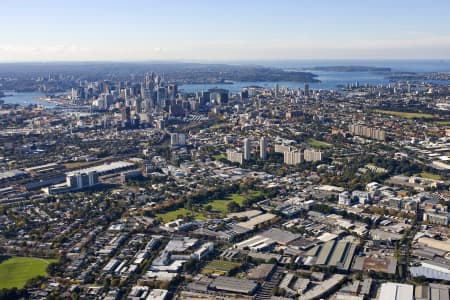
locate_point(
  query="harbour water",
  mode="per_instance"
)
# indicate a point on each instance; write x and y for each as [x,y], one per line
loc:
[329,80]
[26,98]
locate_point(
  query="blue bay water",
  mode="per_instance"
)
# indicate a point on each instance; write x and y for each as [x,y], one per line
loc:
[331,80]
[26,98]
[328,81]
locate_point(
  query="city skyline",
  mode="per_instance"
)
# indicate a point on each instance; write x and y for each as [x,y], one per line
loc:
[202,31]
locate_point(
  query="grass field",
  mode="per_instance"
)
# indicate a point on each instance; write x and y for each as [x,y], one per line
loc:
[221,204]
[443,123]
[406,115]
[220,267]
[430,176]
[219,156]
[318,144]
[173,215]
[16,271]
[218,205]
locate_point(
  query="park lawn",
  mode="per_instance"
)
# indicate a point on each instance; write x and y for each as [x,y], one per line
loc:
[406,115]
[217,205]
[173,215]
[16,271]
[318,144]
[219,156]
[220,267]
[443,123]
[430,176]
[221,204]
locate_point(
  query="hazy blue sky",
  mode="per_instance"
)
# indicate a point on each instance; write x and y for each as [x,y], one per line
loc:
[47,30]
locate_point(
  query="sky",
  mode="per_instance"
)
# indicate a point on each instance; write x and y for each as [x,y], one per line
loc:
[222,30]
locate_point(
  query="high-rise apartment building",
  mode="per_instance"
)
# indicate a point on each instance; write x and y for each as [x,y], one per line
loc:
[247,153]
[263,148]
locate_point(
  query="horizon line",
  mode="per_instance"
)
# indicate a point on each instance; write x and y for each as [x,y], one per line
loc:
[220,60]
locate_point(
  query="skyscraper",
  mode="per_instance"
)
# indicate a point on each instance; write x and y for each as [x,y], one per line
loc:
[172,91]
[148,79]
[161,97]
[306,90]
[247,153]
[126,116]
[263,148]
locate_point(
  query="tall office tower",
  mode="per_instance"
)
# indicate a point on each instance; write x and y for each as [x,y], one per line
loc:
[74,93]
[172,91]
[138,104]
[218,96]
[203,98]
[148,79]
[161,97]
[247,153]
[118,88]
[147,105]
[263,148]
[276,90]
[142,90]
[306,90]
[126,116]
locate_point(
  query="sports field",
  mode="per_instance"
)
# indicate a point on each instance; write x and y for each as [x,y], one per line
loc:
[15,271]
[430,176]
[220,267]
[443,123]
[221,204]
[220,156]
[218,205]
[406,115]
[318,144]
[180,212]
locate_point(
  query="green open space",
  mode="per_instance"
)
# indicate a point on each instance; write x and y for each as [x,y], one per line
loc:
[180,212]
[221,204]
[220,267]
[429,175]
[406,115]
[219,156]
[217,205]
[16,271]
[443,123]
[318,144]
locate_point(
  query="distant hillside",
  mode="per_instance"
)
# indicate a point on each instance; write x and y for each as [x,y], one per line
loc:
[173,72]
[351,69]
